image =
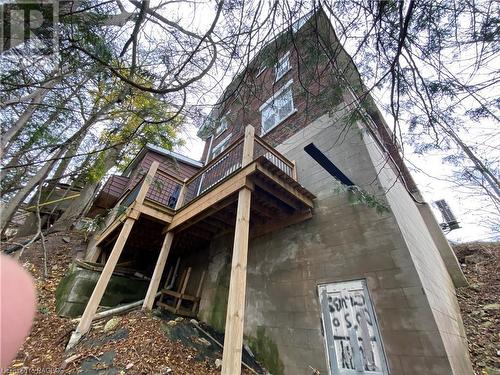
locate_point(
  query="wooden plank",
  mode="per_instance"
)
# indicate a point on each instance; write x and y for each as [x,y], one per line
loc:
[276,194]
[153,212]
[211,199]
[182,196]
[198,293]
[285,186]
[147,182]
[102,283]
[231,357]
[158,272]
[294,170]
[93,254]
[110,229]
[248,144]
[184,286]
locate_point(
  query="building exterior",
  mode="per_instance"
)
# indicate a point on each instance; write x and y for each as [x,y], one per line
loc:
[281,257]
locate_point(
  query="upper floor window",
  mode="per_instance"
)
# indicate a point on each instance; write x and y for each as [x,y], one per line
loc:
[221,146]
[278,108]
[283,66]
[222,127]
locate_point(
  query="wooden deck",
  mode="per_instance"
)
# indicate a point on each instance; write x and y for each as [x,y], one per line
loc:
[249,190]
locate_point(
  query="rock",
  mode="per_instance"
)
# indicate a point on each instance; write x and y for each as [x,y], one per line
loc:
[189,357]
[492,306]
[179,319]
[129,366]
[218,363]
[66,239]
[111,324]
[171,323]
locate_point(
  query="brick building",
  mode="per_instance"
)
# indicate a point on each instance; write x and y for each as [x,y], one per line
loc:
[268,230]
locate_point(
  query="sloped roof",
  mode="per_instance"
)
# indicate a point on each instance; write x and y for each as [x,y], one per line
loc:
[163,151]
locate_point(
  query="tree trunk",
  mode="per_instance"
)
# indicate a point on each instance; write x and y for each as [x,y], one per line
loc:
[11,134]
[14,203]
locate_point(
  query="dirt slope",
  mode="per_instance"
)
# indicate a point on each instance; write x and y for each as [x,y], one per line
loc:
[480,304]
[140,344]
[137,345]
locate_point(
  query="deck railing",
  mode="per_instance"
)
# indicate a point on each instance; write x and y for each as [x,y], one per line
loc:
[214,172]
[166,190]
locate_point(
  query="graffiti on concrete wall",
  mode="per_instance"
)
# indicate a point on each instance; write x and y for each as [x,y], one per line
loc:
[353,343]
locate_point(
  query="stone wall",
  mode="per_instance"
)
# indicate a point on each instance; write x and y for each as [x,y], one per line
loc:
[344,242]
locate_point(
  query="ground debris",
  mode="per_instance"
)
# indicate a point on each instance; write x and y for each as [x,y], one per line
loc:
[479,305]
[137,344]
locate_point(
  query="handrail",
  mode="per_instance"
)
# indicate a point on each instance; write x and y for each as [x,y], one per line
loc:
[171,176]
[273,151]
[216,159]
[245,149]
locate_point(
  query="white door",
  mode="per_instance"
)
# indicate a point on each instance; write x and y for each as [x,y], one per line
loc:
[352,338]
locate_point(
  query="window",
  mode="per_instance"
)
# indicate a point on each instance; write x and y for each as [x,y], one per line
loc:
[283,66]
[352,338]
[277,108]
[221,146]
[222,127]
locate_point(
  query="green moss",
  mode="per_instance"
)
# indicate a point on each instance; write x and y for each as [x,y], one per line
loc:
[219,303]
[266,351]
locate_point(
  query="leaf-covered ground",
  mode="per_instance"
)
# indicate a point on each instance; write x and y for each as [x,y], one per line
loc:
[480,304]
[140,343]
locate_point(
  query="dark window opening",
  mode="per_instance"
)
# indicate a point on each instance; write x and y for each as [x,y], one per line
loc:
[322,160]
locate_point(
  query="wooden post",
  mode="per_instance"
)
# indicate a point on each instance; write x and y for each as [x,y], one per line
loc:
[248,144]
[182,195]
[147,182]
[231,357]
[183,289]
[294,171]
[106,273]
[158,272]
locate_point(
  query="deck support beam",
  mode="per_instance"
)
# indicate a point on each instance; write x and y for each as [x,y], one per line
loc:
[231,357]
[102,283]
[158,272]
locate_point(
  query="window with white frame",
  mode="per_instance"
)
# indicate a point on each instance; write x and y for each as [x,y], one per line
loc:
[222,127]
[283,66]
[277,108]
[221,146]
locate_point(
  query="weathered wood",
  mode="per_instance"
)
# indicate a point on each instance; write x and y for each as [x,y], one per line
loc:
[157,273]
[183,289]
[102,283]
[231,358]
[93,254]
[294,170]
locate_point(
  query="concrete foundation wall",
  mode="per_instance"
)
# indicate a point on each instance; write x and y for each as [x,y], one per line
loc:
[430,263]
[342,242]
